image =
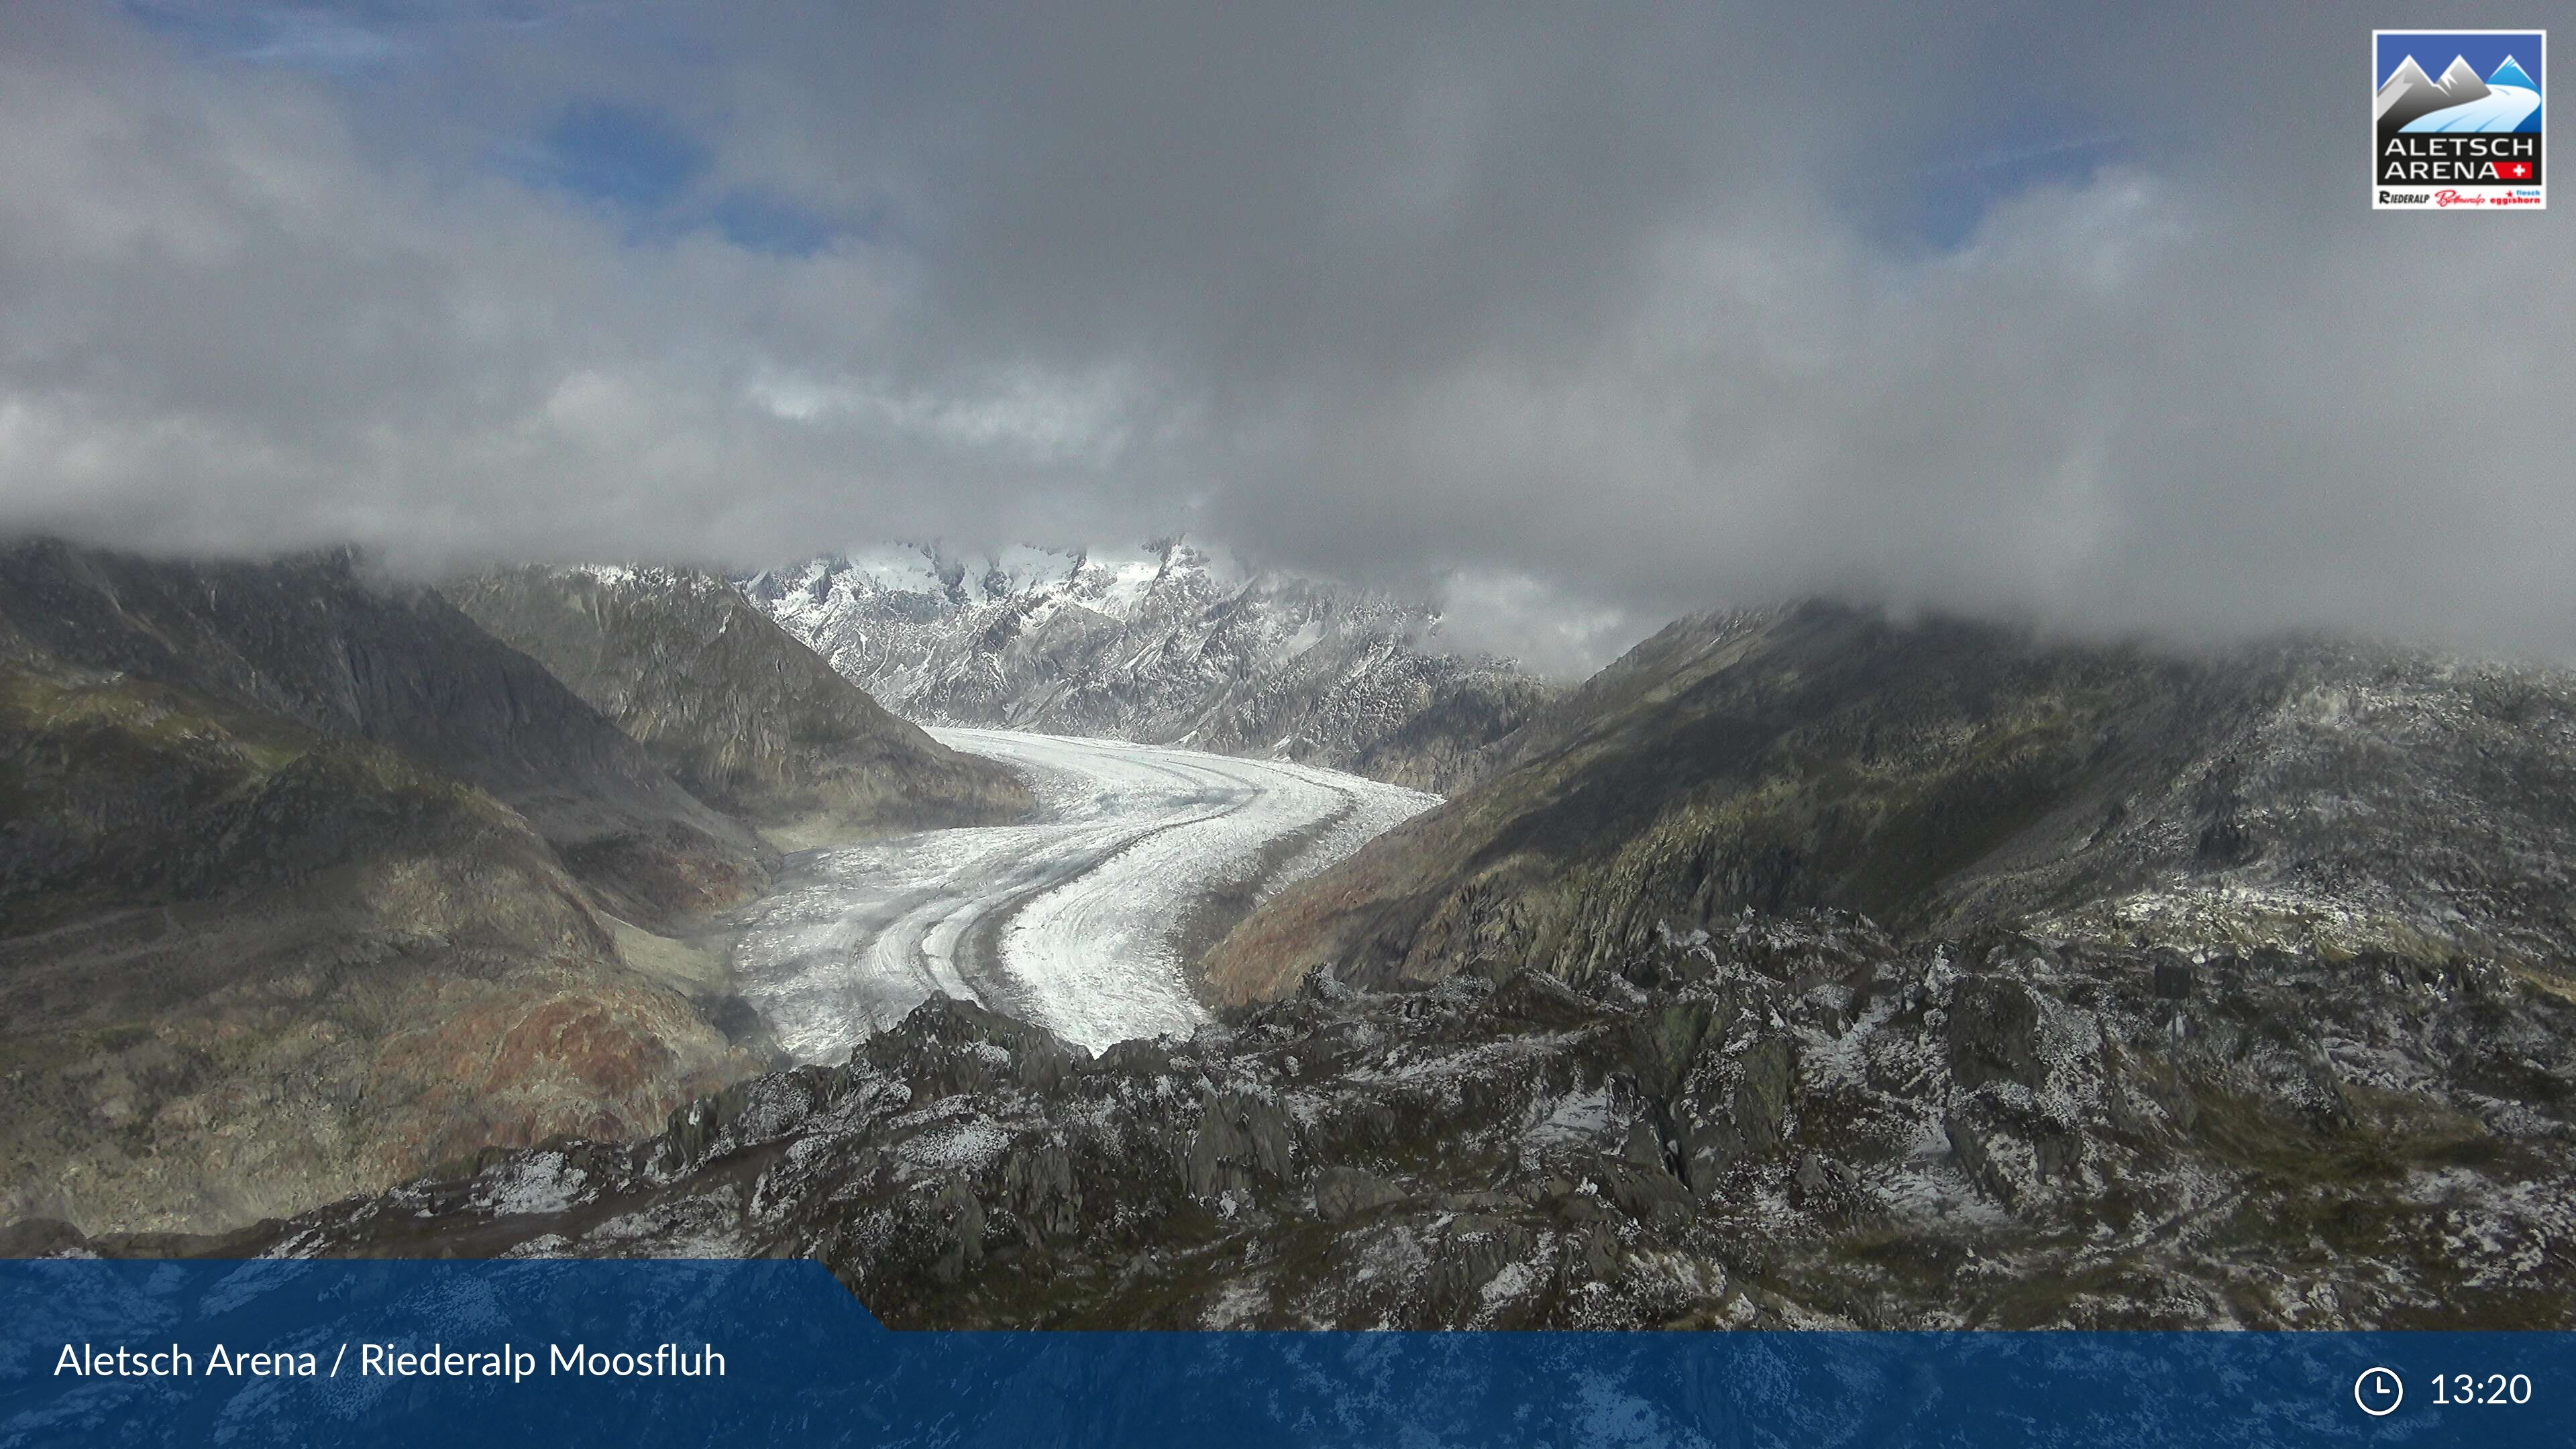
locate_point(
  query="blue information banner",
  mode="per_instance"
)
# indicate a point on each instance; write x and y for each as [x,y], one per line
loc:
[648,1353]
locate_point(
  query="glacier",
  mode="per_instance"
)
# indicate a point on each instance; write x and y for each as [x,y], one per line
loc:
[2501,109]
[1077,921]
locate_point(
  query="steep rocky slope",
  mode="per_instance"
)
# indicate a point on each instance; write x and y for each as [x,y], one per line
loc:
[745,716]
[1795,1121]
[297,889]
[1173,647]
[314,642]
[249,967]
[2321,797]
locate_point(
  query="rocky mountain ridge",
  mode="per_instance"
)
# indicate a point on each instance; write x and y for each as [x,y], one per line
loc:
[744,716]
[317,643]
[1175,646]
[2313,795]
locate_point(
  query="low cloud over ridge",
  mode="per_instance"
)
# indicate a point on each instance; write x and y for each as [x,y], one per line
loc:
[1598,316]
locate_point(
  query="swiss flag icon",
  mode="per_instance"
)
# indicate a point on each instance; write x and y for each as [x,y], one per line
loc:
[2513,170]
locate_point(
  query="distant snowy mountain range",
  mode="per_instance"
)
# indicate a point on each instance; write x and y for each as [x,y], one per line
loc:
[1170,644]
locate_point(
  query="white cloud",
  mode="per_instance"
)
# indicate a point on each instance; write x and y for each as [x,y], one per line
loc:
[1593,316]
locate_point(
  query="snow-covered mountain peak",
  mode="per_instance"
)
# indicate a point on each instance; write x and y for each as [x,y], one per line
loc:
[1113,583]
[2461,81]
[1172,643]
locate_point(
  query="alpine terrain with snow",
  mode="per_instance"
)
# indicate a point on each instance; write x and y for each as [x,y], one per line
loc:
[1805,968]
[1170,646]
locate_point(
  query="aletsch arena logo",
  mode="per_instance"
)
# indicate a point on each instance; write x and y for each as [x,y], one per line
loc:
[2467,137]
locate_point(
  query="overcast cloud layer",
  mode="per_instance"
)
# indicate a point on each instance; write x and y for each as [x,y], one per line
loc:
[1587,317]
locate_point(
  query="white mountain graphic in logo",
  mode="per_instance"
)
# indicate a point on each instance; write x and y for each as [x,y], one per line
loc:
[2460,101]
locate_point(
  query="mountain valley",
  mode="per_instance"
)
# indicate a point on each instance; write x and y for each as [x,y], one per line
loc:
[1803,968]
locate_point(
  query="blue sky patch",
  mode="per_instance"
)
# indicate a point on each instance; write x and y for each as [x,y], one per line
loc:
[656,178]
[762,221]
[634,160]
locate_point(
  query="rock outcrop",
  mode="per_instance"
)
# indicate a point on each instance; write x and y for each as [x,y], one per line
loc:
[1795,1121]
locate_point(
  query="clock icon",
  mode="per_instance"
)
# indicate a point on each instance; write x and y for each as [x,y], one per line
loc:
[2378,1391]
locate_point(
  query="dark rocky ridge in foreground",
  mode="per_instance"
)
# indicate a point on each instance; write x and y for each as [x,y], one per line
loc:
[745,716]
[1798,1121]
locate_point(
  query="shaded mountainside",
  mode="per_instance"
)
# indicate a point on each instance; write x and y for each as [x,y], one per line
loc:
[745,716]
[313,642]
[298,880]
[1170,648]
[1798,1122]
[2320,797]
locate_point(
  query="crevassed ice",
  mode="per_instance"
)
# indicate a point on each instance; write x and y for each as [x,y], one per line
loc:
[1069,922]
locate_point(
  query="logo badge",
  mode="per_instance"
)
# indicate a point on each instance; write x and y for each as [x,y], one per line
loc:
[2455,120]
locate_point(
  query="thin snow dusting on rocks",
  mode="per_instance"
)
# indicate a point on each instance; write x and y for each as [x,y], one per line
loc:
[1800,1121]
